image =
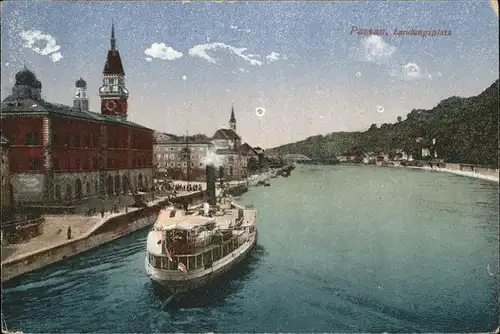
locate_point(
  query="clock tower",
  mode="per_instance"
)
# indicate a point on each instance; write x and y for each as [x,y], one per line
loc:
[113,93]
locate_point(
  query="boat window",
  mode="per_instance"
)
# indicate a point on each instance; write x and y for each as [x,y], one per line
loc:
[199,261]
[217,253]
[183,259]
[191,263]
[164,263]
[157,262]
[172,265]
[207,259]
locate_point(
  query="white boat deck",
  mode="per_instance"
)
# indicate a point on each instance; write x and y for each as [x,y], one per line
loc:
[180,220]
[225,218]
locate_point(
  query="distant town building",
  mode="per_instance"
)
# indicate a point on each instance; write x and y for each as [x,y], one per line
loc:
[426,152]
[173,154]
[250,158]
[228,147]
[5,195]
[60,153]
[346,157]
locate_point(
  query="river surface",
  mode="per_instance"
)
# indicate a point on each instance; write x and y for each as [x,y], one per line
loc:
[340,249]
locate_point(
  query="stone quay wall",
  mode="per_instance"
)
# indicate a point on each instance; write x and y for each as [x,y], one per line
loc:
[111,229]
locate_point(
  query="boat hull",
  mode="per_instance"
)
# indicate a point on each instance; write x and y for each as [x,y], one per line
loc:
[192,281]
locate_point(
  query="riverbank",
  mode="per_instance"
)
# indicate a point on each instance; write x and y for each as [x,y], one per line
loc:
[87,233]
[473,174]
[477,172]
[255,179]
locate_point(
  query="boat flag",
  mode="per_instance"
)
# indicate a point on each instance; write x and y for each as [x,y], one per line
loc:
[167,253]
[182,268]
[164,241]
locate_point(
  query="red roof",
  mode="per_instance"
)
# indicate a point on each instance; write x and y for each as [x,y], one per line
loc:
[113,63]
[247,149]
[226,134]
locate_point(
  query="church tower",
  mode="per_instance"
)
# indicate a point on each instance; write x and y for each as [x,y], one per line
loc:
[232,120]
[80,100]
[113,93]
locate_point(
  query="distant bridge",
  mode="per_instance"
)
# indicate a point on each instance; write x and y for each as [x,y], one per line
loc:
[296,157]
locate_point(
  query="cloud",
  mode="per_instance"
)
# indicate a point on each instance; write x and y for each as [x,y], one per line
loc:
[162,51]
[243,70]
[275,56]
[375,49]
[200,51]
[148,59]
[56,56]
[34,37]
[410,71]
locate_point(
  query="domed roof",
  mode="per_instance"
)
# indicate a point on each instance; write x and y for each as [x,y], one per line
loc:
[26,78]
[80,83]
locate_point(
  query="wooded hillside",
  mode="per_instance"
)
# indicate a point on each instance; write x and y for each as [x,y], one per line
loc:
[465,129]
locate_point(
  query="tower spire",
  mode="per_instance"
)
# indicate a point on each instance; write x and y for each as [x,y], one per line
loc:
[232,120]
[113,39]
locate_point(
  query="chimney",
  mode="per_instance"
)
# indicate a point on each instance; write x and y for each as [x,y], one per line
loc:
[211,179]
[221,176]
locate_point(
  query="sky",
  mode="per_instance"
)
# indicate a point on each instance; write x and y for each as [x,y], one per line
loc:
[291,69]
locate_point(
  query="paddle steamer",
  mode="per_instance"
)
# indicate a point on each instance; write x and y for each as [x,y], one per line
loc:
[188,248]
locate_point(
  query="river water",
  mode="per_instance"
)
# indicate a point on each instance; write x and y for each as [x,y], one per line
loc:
[340,249]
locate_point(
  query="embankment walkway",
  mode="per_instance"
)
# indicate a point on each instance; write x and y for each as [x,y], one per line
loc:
[473,174]
[55,235]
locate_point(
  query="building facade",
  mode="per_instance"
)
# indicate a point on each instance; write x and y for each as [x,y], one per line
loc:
[227,145]
[5,195]
[250,159]
[61,153]
[173,154]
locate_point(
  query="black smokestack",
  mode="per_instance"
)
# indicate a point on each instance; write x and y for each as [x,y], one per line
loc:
[211,178]
[221,176]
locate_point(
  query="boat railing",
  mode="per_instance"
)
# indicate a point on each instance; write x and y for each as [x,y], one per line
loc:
[201,260]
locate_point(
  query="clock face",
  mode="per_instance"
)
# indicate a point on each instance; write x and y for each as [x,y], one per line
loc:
[110,105]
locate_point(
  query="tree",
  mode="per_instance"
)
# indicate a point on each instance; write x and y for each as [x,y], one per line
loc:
[466,130]
[252,165]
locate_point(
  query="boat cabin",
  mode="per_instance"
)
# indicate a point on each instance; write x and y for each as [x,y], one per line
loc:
[196,240]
